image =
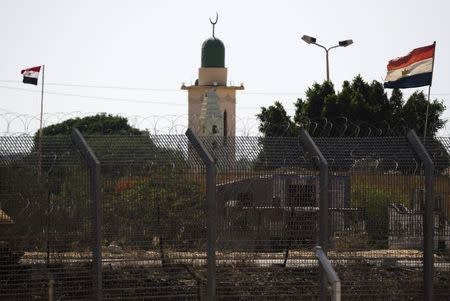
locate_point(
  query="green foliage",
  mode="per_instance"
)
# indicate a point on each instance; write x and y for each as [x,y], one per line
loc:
[57,201]
[164,204]
[69,209]
[100,124]
[56,210]
[356,110]
[276,122]
[412,113]
[376,200]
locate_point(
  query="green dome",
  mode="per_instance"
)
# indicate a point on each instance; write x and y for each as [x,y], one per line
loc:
[213,53]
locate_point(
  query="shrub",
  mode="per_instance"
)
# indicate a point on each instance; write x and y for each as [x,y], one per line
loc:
[375,200]
[163,206]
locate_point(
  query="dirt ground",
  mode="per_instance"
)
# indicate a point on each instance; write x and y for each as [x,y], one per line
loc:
[366,275]
[360,281]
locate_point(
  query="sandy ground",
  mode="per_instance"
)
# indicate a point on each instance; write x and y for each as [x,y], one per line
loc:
[296,258]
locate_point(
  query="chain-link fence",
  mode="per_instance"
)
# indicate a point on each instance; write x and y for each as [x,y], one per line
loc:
[236,218]
[45,220]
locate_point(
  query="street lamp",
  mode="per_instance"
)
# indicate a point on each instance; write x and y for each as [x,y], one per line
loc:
[311,40]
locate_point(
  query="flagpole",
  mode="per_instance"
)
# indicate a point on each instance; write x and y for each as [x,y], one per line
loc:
[42,100]
[40,123]
[429,92]
[426,114]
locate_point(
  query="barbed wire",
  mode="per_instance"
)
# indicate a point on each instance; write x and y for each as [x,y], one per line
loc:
[14,123]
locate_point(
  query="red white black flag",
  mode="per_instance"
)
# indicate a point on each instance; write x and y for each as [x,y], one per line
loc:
[30,75]
[412,70]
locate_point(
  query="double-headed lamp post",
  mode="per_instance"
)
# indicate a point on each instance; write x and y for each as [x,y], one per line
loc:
[311,40]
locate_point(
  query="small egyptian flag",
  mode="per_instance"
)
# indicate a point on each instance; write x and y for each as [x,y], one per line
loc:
[30,75]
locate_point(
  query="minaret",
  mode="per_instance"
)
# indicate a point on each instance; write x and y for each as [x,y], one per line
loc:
[211,117]
[212,103]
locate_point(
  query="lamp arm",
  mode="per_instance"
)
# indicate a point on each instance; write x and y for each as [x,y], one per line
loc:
[336,46]
[323,47]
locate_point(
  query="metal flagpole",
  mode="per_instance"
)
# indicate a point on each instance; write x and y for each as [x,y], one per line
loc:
[429,92]
[40,123]
[426,114]
[428,213]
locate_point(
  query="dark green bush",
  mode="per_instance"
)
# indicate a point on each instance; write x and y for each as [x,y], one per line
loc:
[375,201]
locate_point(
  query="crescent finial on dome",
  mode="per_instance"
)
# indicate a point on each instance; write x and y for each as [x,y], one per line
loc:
[214,23]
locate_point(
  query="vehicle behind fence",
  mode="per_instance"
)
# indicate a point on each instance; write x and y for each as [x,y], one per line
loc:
[147,217]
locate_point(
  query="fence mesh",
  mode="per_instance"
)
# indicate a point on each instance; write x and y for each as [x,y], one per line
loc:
[45,220]
[439,150]
[267,218]
[153,217]
[154,229]
[378,249]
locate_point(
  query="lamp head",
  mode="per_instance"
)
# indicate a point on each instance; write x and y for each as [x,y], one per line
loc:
[345,43]
[308,39]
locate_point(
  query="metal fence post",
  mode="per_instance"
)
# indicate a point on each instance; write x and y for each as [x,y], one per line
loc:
[211,212]
[428,223]
[329,272]
[94,172]
[311,147]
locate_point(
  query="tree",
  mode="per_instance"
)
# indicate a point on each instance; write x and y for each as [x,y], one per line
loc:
[100,124]
[359,109]
[51,197]
[104,124]
[276,122]
[414,117]
[103,128]
[165,204]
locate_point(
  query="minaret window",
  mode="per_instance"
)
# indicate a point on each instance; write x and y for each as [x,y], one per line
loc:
[225,123]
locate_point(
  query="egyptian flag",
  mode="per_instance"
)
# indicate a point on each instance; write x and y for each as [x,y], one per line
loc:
[412,70]
[30,75]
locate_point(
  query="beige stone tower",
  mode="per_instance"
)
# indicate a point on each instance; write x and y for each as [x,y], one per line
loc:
[212,103]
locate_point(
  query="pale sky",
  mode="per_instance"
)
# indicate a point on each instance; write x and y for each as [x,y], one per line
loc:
[152,47]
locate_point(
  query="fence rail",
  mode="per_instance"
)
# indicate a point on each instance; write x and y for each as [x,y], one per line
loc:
[179,217]
[331,274]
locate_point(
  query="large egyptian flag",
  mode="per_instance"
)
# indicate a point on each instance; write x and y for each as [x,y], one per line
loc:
[412,70]
[31,75]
